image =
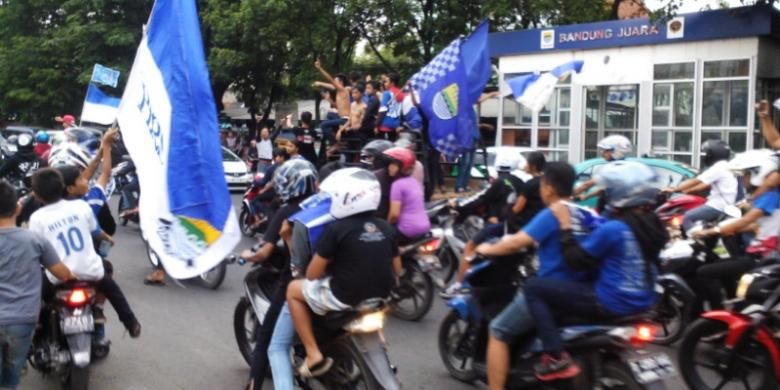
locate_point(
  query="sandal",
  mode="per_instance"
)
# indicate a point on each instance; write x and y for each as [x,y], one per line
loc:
[316,370]
[149,281]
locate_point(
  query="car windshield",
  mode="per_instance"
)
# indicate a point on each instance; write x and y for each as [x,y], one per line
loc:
[229,156]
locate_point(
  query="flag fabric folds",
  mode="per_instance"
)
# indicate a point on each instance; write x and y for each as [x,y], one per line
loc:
[534,90]
[169,124]
[99,107]
[103,75]
[449,86]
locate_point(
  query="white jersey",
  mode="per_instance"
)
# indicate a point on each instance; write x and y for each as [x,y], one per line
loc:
[724,186]
[69,225]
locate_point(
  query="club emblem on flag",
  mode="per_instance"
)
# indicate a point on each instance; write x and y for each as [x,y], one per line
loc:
[445,103]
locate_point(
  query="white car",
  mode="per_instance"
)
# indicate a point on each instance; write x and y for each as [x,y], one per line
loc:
[237,173]
[492,153]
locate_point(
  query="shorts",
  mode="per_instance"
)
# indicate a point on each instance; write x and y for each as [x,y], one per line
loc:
[514,321]
[320,298]
[493,230]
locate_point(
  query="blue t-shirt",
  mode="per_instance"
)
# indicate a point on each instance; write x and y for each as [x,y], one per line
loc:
[621,286]
[96,198]
[767,202]
[545,230]
[392,109]
[766,241]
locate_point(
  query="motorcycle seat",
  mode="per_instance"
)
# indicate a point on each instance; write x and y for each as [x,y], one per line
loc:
[75,284]
[623,320]
[336,319]
[415,242]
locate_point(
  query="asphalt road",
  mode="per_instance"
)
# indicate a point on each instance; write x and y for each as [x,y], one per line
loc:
[188,343]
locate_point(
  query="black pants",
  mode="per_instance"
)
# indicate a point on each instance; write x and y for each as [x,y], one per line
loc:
[260,363]
[712,278]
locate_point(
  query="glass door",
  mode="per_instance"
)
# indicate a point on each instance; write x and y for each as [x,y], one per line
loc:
[610,109]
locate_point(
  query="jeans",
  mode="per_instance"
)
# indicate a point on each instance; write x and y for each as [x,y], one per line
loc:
[279,350]
[547,298]
[489,232]
[15,342]
[260,353]
[702,213]
[464,169]
[514,321]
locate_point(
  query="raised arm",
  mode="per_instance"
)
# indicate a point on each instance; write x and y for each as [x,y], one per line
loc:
[320,84]
[107,144]
[327,75]
[767,127]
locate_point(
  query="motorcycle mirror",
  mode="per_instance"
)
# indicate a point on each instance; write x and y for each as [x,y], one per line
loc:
[732,211]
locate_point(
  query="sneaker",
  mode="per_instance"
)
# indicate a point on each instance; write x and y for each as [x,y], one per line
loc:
[550,368]
[450,291]
[97,314]
[134,329]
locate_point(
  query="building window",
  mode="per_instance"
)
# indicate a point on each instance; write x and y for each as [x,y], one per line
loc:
[725,104]
[610,110]
[673,112]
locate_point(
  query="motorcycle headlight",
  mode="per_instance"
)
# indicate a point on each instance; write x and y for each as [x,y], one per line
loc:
[744,283]
[368,323]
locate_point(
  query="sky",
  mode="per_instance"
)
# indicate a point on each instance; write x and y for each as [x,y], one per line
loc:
[692,5]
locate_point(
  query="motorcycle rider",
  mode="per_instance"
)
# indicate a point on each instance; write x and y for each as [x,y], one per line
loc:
[23,163]
[407,202]
[611,148]
[266,184]
[340,276]
[499,199]
[542,231]
[723,185]
[293,181]
[623,254]
[24,252]
[42,146]
[372,158]
[755,166]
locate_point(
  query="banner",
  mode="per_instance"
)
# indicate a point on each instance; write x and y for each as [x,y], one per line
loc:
[103,75]
[168,120]
[449,86]
[99,107]
[534,90]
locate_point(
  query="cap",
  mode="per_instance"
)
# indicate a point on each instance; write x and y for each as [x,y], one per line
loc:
[67,118]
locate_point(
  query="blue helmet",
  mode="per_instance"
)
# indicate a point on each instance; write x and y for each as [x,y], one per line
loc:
[294,179]
[628,184]
[42,137]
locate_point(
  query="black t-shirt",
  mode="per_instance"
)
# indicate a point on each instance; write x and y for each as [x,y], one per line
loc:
[306,138]
[369,120]
[272,231]
[360,251]
[533,203]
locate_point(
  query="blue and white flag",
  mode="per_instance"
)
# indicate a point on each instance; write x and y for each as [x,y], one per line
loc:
[106,76]
[449,86]
[168,119]
[534,90]
[99,107]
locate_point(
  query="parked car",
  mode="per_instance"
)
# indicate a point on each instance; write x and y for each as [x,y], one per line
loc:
[670,173]
[237,173]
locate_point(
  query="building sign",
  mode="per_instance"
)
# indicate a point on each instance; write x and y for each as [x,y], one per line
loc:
[548,39]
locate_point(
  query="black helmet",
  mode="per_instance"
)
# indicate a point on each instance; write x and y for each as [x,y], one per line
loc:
[714,150]
[371,154]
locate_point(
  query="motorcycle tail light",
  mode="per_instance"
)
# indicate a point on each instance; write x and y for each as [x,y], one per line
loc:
[368,323]
[676,221]
[643,333]
[431,246]
[76,297]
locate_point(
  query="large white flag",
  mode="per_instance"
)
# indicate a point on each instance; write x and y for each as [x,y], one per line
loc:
[169,124]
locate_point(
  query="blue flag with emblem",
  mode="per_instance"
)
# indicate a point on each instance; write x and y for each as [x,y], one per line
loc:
[449,86]
[168,119]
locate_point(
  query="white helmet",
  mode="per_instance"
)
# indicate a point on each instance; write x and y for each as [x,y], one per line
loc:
[351,191]
[68,153]
[619,145]
[628,184]
[759,163]
[509,162]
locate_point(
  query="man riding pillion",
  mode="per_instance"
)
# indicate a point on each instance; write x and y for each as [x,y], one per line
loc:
[622,253]
[341,275]
[611,148]
[542,231]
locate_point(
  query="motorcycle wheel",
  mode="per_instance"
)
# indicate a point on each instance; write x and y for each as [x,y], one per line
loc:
[151,256]
[448,262]
[214,277]
[349,370]
[78,378]
[703,360]
[617,375]
[245,327]
[671,315]
[459,364]
[245,220]
[412,300]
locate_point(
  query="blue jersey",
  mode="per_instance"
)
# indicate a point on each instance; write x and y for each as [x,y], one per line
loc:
[545,230]
[622,286]
[96,198]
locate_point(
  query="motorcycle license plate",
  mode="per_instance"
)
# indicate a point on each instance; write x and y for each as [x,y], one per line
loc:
[77,324]
[652,368]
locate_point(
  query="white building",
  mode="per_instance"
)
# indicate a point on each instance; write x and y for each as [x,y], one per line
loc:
[668,85]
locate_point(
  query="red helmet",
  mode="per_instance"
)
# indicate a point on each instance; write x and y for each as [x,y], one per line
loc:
[402,156]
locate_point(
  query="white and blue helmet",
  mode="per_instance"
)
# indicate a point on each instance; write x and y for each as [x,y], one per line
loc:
[629,184]
[294,179]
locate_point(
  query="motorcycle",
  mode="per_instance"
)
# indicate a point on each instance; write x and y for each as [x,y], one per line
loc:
[353,338]
[62,342]
[210,279]
[250,215]
[672,210]
[452,238]
[412,299]
[739,345]
[123,176]
[611,354]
